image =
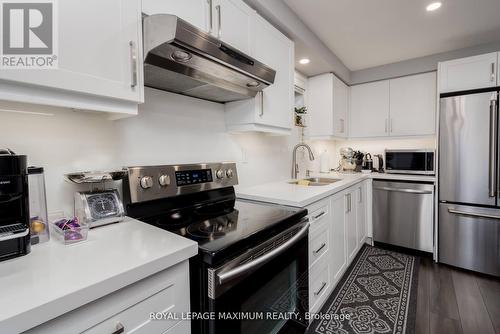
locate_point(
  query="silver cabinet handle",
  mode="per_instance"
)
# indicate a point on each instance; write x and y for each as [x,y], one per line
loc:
[472,214]
[133,63]
[119,328]
[219,32]
[348,198]
[261,113]
[320,248]
[360,196]
[319,215]
[493,149]
[210,16]
[493,77]
[386,121]
[223,277]
[342,125]
[320,289]
[390,125]
[409,191]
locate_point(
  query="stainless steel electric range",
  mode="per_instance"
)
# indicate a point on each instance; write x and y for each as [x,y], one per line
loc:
[251,272]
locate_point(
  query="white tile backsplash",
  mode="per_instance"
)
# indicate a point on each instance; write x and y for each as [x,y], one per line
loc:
[169,129]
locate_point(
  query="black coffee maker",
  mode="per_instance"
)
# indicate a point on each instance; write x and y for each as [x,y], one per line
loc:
[14,205]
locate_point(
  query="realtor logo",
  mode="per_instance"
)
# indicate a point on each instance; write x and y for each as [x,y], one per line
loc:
[28,34]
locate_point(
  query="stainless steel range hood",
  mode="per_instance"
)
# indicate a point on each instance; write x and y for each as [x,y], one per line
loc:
[181,58]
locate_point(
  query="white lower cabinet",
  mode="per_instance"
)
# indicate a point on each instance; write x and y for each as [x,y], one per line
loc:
[338,236]
[339,226]
[361,212]
[350,221]
[128,310]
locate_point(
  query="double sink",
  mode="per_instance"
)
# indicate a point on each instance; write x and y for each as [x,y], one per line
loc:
[314,182]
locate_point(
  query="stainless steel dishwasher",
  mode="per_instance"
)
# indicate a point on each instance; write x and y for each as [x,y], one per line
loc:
[403,214]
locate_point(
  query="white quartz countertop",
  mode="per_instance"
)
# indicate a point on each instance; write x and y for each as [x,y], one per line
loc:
[284,193]
[54,279]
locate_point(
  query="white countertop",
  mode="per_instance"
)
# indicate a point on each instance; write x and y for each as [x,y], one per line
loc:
[55,279]
[284,193]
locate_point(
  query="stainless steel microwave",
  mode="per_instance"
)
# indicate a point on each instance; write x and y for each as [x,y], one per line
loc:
[410,162]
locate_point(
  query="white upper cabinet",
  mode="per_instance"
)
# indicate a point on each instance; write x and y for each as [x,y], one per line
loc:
[399,107]
[100,60]
[370,110]
[328,106]
[228,20]
[468,73]
[340,108]
[272,110]
[232,23]
[413,105]
[196,12]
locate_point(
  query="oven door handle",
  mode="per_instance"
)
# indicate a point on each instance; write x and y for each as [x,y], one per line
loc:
[233,273]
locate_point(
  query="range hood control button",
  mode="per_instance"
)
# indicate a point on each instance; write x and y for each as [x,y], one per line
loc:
[146,182]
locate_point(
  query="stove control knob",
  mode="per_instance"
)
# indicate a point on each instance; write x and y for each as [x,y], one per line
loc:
[146,182]
[229,173]
[164,180]
[220,174]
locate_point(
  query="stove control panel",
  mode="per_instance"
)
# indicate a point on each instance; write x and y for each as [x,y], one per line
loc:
[146,183]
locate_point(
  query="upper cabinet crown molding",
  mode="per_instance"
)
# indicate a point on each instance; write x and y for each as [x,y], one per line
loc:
[100,65]
[469,73]
[328,106]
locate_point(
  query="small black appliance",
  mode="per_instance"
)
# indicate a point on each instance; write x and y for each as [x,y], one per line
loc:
[14,205]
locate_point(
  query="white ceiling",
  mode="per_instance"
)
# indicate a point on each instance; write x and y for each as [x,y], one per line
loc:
[368,33]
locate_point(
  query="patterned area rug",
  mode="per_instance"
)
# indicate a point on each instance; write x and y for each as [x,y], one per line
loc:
[377,294]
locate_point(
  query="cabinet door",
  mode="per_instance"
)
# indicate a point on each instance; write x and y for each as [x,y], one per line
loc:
[96,56]
[413,105]
[196,12]
[338,236]
[468,73]
[232,22]
[276,51]
[351,228]
[340,107]
[369,110]
[320,105]
[361,214]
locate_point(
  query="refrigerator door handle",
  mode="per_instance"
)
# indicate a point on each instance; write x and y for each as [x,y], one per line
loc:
[472,214]
[492,180]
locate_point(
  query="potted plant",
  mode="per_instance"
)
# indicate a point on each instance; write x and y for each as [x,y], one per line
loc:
[299,116]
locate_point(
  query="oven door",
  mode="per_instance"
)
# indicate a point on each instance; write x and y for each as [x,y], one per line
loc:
[266,288]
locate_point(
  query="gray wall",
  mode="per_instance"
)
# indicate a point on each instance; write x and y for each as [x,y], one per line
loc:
[417,65]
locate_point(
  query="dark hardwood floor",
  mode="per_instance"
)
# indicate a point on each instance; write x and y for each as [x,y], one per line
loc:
[451,301]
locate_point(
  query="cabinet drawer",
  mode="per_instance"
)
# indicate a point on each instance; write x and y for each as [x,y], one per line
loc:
[318,216]
[130,307]
[318,243]
[136,319]
[319,283]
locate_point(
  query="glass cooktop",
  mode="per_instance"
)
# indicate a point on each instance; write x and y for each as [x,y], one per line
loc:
[228,227]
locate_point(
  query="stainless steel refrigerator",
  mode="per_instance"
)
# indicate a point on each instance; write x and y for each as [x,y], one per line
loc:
[469,182]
